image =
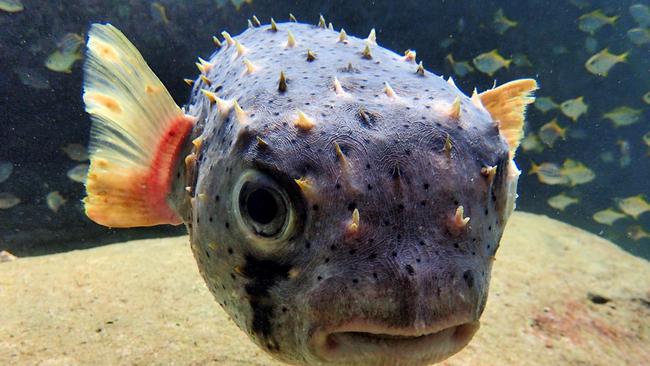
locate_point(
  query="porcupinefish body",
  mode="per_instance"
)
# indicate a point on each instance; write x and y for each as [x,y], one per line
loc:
[344,205]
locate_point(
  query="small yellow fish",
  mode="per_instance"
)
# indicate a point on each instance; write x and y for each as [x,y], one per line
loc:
[637,233]
[600,63]
[634,206]
[623,116]
[624,151]
[76,152]
[607,157]
[236,3]
[548,173]
[576,172]
[61,62]
[67,53]
[561,201]
[646,141]
[532,143]
[502,23]
[8,200]
[490,62]
[646,98]
[445,43]
[639,36]
[574,108]
[607,216]
[641,14]
[545,104]
[591,44]
[54,201]
[6,168]
[11,6]
[591,22]
[78,173]
[461,68]
[521,60]
[159,12]
[580,4]
[559,49]
[70,43]
[32,77]
[550,132]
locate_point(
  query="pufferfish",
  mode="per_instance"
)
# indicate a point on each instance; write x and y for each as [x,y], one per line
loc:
[344,204]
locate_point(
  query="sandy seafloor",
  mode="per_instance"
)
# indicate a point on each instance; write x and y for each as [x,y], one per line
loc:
[559,296]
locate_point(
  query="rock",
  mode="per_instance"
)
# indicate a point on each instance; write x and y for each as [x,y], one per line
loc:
[559,296]
[5,256]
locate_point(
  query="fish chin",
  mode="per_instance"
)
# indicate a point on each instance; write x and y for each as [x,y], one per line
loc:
[367,343]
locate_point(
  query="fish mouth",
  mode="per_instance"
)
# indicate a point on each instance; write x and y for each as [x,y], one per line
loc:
[365,342]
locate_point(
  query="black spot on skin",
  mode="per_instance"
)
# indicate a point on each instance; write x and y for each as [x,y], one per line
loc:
[410,269]
[352,206]
[314,207]
[262,275]
[230,251]
[469,278]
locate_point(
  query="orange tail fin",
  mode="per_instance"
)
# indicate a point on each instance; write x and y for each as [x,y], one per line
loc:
[136,136]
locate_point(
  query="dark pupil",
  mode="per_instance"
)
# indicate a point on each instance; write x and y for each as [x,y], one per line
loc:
[261,206]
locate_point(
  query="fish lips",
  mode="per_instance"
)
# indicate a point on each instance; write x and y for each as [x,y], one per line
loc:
[368,342]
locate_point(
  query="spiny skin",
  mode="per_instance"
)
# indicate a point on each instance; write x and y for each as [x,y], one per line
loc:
[407,265]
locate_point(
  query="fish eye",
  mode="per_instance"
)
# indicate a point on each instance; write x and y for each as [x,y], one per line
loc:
[263,208]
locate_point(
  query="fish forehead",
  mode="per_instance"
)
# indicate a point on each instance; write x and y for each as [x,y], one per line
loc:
[363,114]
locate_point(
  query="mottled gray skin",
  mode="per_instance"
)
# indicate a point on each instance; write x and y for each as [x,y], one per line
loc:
[406,267]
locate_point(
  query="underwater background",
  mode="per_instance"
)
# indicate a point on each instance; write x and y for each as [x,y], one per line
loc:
[587,139]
